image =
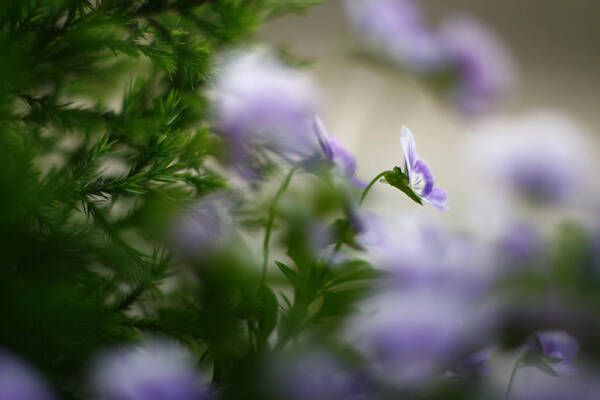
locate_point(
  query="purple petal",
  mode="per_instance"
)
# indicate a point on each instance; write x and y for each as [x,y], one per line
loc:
[156,369]
[19,381]
[358,182]
[558,344]
[336,152]
[322,137]
[422,168]
[409,149]
[485,64]
[438,198]
[259,102]
[398,30]
[342,157]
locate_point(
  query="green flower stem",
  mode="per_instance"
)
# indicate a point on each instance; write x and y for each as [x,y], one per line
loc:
[270,220]
[513,373]
[364,193]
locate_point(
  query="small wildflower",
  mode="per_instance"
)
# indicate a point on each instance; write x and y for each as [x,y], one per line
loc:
[335,152]
[420,177]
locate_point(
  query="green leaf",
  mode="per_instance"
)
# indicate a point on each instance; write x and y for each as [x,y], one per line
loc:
[290,274]
[353,271]
[288,302]
[338,303]
[267,318]
[539,361]
[399,180]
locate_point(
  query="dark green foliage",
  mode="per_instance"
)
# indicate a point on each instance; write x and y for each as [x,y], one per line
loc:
[104,133]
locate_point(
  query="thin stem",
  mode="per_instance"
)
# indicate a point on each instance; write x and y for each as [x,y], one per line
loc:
[513,373]
[364,193]
[270,220]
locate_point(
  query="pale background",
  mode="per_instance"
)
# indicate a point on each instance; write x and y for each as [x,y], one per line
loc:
[557,48]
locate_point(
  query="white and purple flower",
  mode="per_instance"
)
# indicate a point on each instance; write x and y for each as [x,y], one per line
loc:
[336,153]
[153,370]
[19,381]
[419,174]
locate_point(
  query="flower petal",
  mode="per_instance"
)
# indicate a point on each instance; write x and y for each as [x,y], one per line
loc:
[322,137]
[342,157]
[421,167]
[409,149]
[438,198]
[358,182]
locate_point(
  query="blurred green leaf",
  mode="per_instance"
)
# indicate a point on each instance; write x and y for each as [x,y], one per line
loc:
[269,310]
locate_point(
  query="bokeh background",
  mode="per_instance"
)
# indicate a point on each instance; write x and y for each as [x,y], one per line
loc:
[555,44]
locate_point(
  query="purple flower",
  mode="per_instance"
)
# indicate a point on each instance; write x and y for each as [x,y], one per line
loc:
[336,153]
[311,375]
[541,157]
[476,363]
[484,65]
[408,336]
[18,381]
[397,29]
[520,244]
[202,226]
[153,370]
[259,103]
[421,254]
[561,346]
[419,173]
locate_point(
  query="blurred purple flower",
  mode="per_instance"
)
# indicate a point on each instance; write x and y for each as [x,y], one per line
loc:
[421,254]
[476,363]
[336,153]
[261,103]
[559,345]
[153,370]
[542,156]
[397,29]
[408,336]
[485,67]
[19,382]
[520,244]
[202,226]
[312,375]
[369,228]
[419,174]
